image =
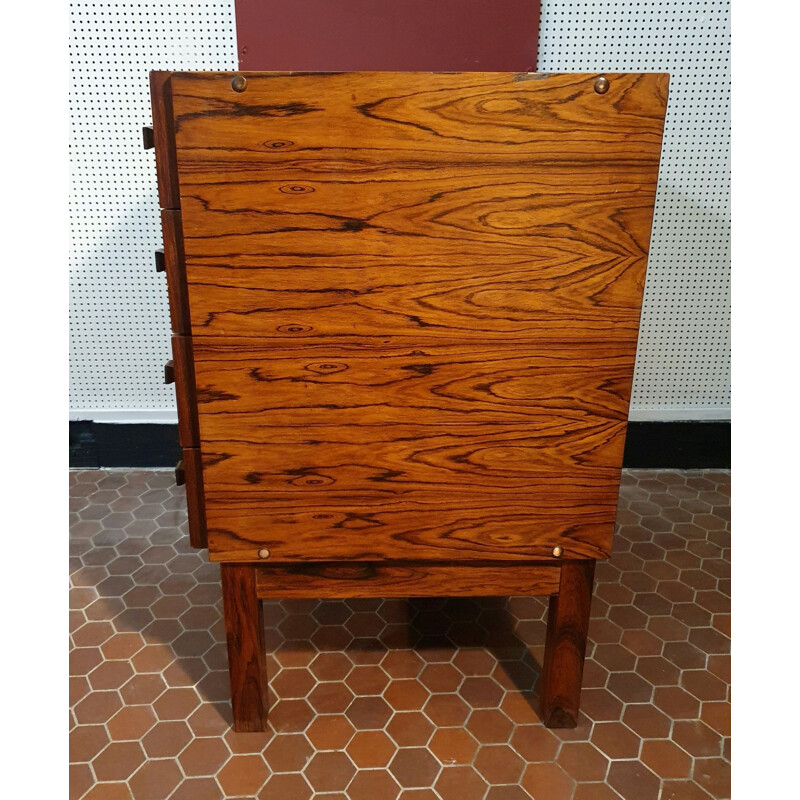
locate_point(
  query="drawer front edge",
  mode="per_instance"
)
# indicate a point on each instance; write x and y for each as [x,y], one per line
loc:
[185,391]
[175,265]
[164,139]
[195,500]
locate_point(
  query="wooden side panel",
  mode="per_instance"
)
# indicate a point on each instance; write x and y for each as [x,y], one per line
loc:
[257,386]
[506,257]
[409,462]
[439,527]
[430,117]
[398,457]
[406,579]
[380,205]
[175,265]
[164,134]
[414,303]
[330,452]
[188,431]
[192,472]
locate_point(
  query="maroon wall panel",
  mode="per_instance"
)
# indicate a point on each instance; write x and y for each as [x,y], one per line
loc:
[349,35]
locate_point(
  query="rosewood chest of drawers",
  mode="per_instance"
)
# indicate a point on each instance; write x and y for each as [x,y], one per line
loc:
[405,310]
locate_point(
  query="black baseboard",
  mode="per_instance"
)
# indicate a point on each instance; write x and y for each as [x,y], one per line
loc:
[101,444]
[678,445]
[657,445]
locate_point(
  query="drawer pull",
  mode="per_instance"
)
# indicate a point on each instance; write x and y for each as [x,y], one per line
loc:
[161,262]
[169,372]
[557,552]
[148,138]
[180,475]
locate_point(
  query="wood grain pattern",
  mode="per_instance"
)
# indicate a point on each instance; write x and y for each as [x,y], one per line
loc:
[185,393]
[247,664]
[428,116]
[164,136]
[405,579]
[509,262]
[175,267]
[438,527]
[565,645]
[414,304]
[418,206]
[323,384]
[396,458]
[437,451]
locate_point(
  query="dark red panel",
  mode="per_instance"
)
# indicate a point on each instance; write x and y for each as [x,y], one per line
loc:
[349,35]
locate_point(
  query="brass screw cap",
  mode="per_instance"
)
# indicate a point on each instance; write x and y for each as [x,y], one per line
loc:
[601,85]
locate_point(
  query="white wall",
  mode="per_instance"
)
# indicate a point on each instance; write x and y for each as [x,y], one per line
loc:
[683,362]
[119,319]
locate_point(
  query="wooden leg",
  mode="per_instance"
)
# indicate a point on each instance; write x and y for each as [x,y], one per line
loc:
[244,623]
[565,645]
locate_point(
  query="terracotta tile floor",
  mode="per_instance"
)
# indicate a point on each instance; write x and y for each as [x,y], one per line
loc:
[411,699]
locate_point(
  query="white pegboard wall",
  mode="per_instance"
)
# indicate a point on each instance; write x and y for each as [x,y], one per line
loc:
[683,361]
[119,319]
[119,316]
